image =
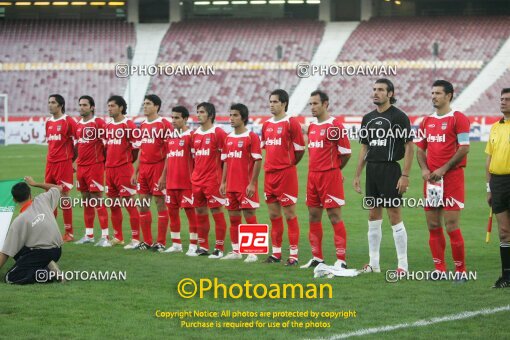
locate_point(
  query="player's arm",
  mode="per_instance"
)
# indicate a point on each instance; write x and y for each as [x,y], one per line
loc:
[136,165]
[45,186]
[223,185]
[162,179]
[252,187]
[456,159]
[344,146]
[298,139]
[421,157]
[488,178]
[344,159]
[359,168]
[403,182]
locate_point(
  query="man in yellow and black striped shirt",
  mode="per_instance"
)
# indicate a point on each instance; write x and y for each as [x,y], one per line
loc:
[498,183]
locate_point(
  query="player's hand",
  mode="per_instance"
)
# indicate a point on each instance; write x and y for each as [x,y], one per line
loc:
[402,184]
[425,174]
[489,199]
[222,189]
[29,180]
[133,180]
[250,190]
[356,185]
[161,183]
[437,174]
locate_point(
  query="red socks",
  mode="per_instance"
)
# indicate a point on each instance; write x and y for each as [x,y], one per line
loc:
[293,233]
[220,226]
[457,244]
[235,221]
[437,245]
[89,214]
[340,240]
[276,236]
[192,219]
[315,237]
[145,224]
[203,231]
[162,226]
[175,225]
[102,215]
[117,222]
[68,219]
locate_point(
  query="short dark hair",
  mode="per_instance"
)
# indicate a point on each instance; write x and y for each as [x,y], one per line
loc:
[120,102]
[182,110]
[209,108]
[283,96]
[60,100]
[505,90]
[446,85]
[389,87]
[322,94]
[91,101]
[243,110]
[154,99]
[20,192]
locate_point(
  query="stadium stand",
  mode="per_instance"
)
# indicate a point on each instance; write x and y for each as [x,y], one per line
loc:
[62,42]
[488,103]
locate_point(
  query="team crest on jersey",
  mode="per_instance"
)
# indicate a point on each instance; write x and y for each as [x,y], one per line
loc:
[59,128]
[279,130]
[208,141]
[323,132]
[444,125]
[181,142]
[240,144]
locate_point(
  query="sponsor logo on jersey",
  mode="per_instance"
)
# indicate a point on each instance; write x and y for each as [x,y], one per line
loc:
[114,142]
[235,154]
[378,123]
[317,144]
[54,138]
[274,141]
[176,153]
[203,152]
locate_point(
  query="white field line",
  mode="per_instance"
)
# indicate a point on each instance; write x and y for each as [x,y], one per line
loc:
[421,323]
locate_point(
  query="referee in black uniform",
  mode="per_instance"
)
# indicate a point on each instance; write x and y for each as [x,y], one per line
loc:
[385,138]
[498,183]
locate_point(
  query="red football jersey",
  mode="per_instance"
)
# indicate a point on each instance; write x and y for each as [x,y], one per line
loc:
[441,137]
[240,153]
[280,139]
[207,146]
[59,136]
[89,142]
[324,150]
[152,142]
[179,161]
[120,142]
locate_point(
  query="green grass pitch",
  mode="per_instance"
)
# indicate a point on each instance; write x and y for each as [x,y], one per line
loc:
[126,309]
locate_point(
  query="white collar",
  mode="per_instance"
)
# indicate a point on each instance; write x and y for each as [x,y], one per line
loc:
[200,132]
[244,134]
[327,121]
[449,114]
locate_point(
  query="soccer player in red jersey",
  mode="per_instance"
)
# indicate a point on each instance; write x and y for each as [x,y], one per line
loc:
[121,152]
[177,181]
[241,168]
[284,143]
[208,142]
[442,149]
[154,132]
[90,173]
[330,151]
[60,132]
